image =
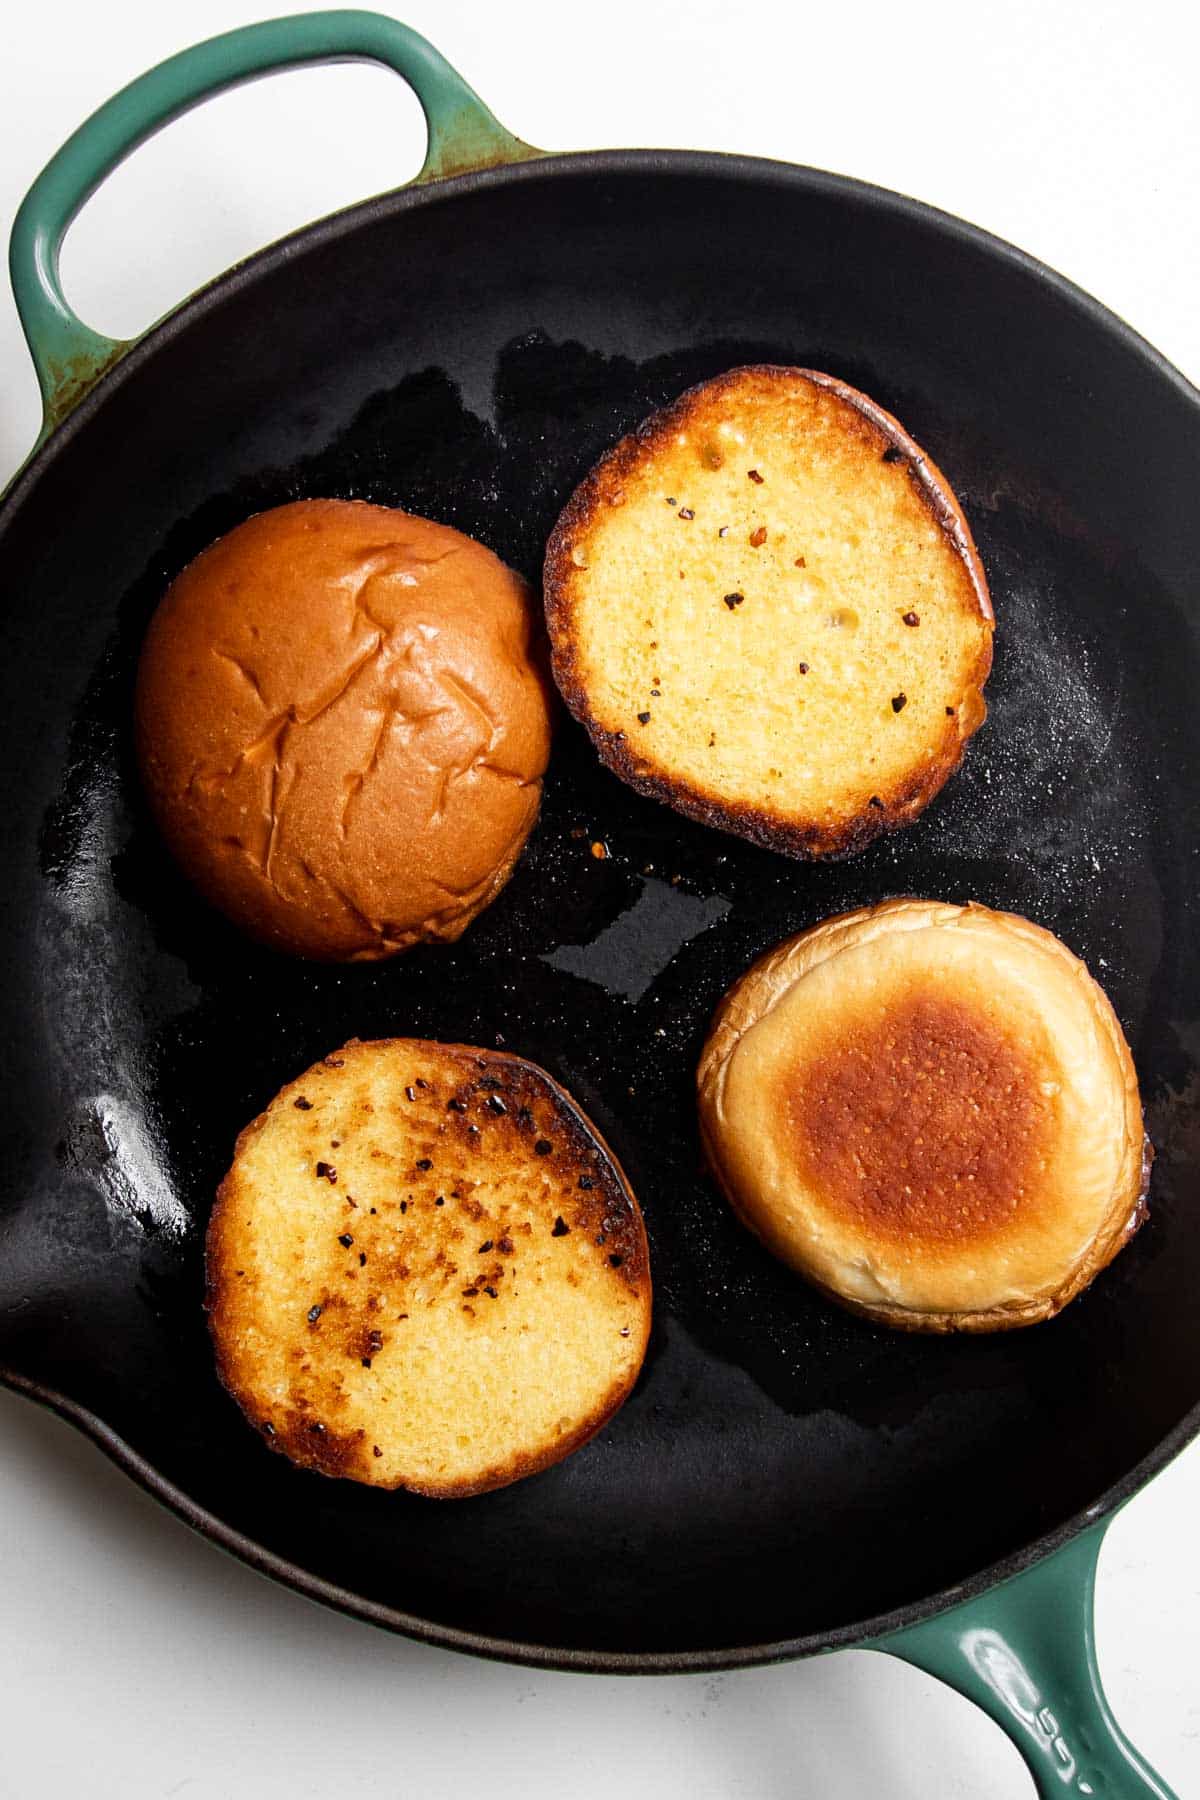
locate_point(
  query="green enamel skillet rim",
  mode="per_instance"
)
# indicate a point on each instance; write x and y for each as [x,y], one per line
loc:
[1017,1638]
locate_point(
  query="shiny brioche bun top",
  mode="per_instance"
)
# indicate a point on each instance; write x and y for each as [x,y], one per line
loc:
[342,724]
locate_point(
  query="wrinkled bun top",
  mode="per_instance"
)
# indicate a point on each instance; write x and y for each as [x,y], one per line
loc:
[931,1111]
[342,726]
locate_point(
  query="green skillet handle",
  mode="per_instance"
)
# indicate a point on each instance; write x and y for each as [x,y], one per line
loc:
[68,356]
[1026,1653]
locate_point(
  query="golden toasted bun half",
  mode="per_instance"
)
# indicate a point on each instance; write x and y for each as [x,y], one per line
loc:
[767,609]
[426,1270]
[342,727]
[931,1112]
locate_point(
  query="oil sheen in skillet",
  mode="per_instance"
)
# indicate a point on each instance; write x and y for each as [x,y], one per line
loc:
[1062,812]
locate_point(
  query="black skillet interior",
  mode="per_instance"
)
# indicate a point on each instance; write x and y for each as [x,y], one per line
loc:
[783,1471]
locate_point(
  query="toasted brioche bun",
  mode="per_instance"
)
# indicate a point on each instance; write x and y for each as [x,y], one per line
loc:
[342,727]
[727,596]
[931,1112]
[426,1270]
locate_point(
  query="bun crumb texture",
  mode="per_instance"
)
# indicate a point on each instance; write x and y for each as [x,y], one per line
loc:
[426,1270]
[766,607]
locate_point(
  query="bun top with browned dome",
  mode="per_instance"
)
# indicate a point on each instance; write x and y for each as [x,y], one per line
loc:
[342,724]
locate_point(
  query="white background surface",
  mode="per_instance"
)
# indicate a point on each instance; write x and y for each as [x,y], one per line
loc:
[135,1659]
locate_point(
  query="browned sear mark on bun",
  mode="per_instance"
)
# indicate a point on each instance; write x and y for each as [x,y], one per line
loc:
[930,1111]
[928,1126]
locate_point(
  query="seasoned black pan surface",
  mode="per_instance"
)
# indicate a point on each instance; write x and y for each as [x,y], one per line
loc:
[785,1475]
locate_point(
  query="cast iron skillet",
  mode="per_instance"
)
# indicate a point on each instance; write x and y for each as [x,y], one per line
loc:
[786,1478]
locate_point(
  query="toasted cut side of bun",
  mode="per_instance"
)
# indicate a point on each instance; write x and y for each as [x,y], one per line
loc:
[426,1270]
[931,1112]
[766,607]
[342,724]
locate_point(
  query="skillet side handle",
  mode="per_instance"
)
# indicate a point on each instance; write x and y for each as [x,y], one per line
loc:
[1026,1652]
[69,357]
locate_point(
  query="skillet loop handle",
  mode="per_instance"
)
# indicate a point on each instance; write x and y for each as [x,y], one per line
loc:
[1026,1652]
[69,357]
